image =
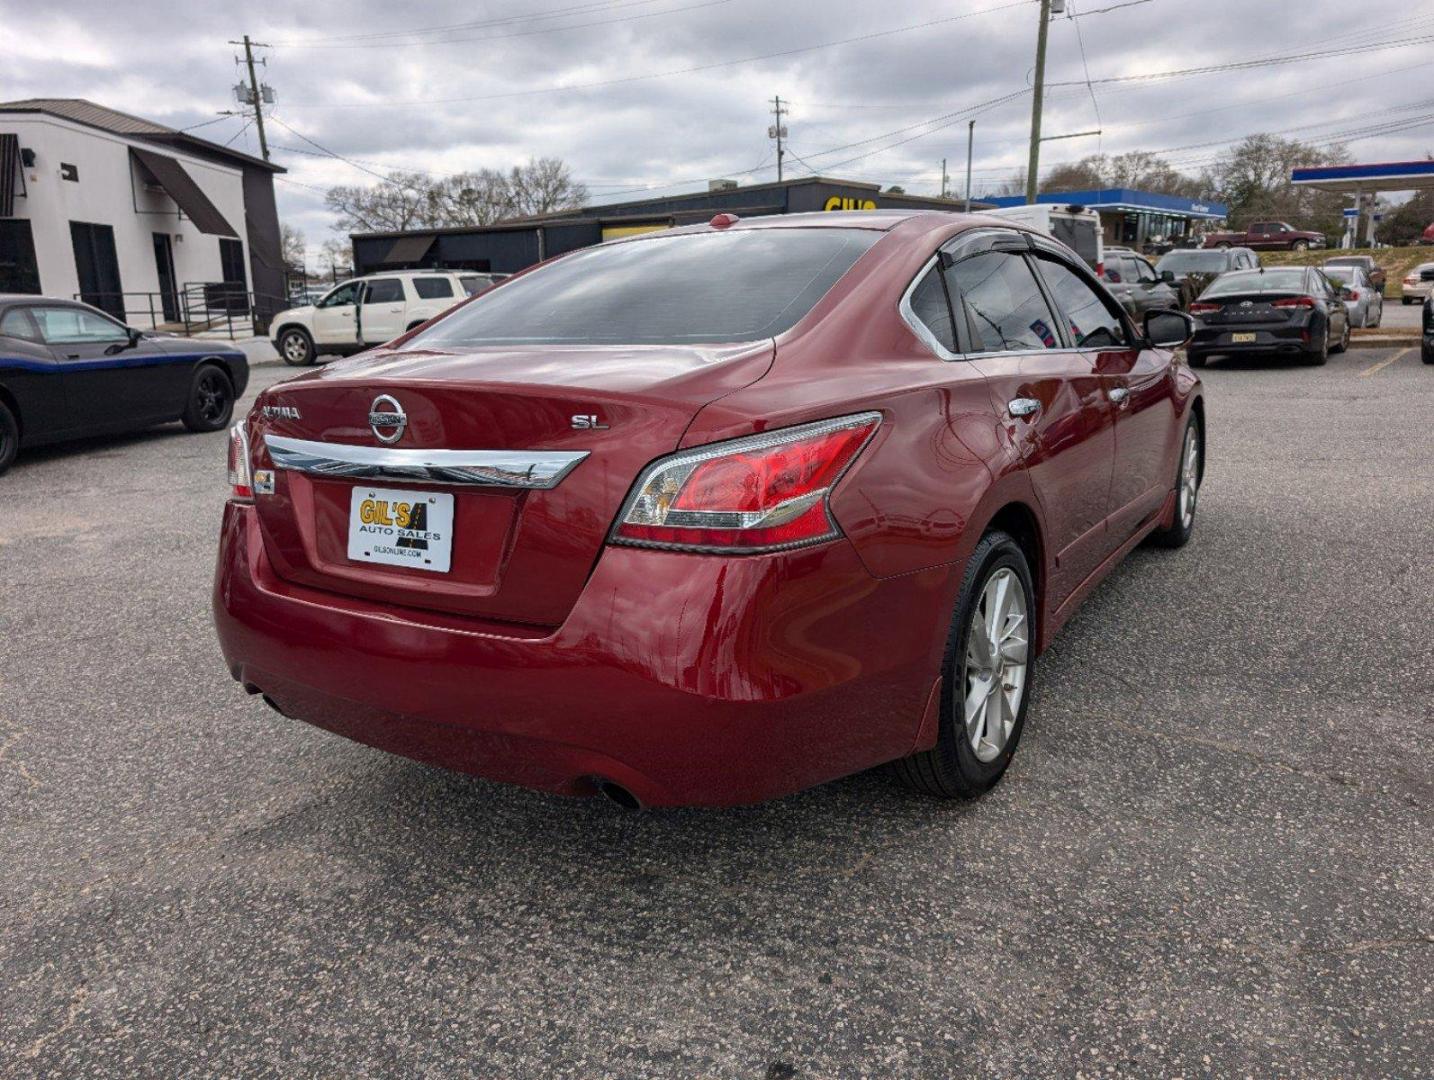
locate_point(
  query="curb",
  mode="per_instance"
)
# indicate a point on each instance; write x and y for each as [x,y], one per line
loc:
[1383,341]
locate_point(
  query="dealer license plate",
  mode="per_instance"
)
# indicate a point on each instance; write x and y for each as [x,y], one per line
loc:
[1243,339]
[401,528]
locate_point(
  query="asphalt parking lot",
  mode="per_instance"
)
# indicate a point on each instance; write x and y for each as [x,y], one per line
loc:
[1213,856]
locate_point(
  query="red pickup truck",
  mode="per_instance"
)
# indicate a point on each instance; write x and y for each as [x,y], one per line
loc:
[1267,235]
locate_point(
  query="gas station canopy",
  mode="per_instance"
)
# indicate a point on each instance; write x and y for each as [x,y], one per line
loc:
[1355,179]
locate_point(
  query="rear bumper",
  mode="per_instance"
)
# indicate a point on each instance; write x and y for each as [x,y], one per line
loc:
[1285,337]
[686,679]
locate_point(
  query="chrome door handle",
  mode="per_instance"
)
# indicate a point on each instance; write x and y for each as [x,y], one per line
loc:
[1118,394]
[1023,406]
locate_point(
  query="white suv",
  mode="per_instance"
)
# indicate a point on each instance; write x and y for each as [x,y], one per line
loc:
[368,311]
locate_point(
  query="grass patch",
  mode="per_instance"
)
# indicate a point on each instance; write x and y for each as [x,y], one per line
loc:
[1395,262]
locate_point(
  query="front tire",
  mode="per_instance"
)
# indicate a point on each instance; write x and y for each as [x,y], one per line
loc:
[986,677]
[1187,490]
[9,437]
[211,400]
[296,347]
[1196,359]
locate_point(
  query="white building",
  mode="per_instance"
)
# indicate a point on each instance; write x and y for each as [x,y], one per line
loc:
[134,217]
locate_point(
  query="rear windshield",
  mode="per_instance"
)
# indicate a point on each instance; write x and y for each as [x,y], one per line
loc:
[1278,280]
[1078,234]
[1193,262]
[697,287]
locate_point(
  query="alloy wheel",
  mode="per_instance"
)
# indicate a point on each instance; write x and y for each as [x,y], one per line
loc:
[211,396]
[997,656]
[296,349]
[1189,478]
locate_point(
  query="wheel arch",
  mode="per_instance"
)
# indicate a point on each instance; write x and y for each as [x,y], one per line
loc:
[293,326]
[1019,521]
[11,402]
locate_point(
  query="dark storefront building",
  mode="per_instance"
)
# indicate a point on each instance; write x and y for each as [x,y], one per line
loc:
[512,246]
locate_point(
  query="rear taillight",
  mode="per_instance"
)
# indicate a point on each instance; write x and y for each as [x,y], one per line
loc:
[1412,279]
[241,482]
[762,493]
[1295,302]
[1198,308]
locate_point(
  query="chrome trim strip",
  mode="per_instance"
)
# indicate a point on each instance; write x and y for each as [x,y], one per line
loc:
[535,469]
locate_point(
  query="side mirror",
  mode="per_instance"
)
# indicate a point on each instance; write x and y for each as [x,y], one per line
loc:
[135,337]
[1168,329]
[1168,276]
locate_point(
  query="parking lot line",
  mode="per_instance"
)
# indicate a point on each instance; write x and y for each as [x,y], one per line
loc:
[1373,369]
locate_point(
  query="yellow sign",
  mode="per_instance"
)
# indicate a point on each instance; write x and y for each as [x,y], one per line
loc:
[837,202]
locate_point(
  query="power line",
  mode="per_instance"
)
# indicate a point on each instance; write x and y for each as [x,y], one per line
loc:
[694,69]
[516,34]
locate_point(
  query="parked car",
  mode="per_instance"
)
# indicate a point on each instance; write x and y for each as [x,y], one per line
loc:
[68,370]
[1419,283]
[711,515]
[367,311]
[1426,350]
[1372,270]
[1362,302]
[1075,226]
[1266,236]
[1292,310]
[1427,237]
[1191,270]
[1136,284]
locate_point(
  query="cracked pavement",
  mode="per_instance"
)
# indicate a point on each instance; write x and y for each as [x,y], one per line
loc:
[1213,856]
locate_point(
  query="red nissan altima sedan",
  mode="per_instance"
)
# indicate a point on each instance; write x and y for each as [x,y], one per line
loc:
[713,515]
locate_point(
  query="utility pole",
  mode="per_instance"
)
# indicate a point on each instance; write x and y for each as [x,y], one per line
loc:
[943,178]
[1039,90]
[970,140]
[778,131]
[256,92]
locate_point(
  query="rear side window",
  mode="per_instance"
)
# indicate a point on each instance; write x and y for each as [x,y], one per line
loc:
[1094,321]
[473,283]
[1078,234]
[929,305]
[16,323]
[432,288]
[1007,310]
[742,285]
[384,291]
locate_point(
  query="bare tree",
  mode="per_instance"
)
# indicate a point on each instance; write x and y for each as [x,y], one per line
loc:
[410,200]
[1254,179]
[294,248]
[336,259]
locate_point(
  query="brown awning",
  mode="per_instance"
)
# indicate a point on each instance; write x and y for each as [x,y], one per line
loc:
[408,249]
[9,168]
[170,175]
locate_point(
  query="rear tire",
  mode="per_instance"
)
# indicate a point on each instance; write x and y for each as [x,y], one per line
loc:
[9,437]
[1319,357]
[1406,300]
[296,347]
[1427,353]
[211,400]
[1187,489]
[1195,359]
[984,691]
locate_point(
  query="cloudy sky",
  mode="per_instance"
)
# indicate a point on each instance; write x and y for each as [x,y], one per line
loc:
[660,95]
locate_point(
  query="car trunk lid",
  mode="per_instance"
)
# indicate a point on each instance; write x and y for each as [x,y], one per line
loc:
[519,554]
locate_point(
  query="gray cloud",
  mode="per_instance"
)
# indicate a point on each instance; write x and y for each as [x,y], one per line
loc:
[169,60]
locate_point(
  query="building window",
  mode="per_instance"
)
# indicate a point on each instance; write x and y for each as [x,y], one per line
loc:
[19,273]
[231,263]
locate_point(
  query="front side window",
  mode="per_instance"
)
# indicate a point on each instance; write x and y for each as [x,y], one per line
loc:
[1094,322]
[1007,310]
[432,288]
[341,296]
[929,305]
[76,326]
[1144,271]
[384,291]
[709,287]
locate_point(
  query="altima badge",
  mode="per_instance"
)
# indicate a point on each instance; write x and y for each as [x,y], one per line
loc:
[387,418]
[281,412]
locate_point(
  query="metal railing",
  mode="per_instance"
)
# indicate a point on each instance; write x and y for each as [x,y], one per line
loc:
[215,309]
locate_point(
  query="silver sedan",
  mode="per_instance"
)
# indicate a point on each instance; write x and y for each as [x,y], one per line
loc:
[1361,299]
